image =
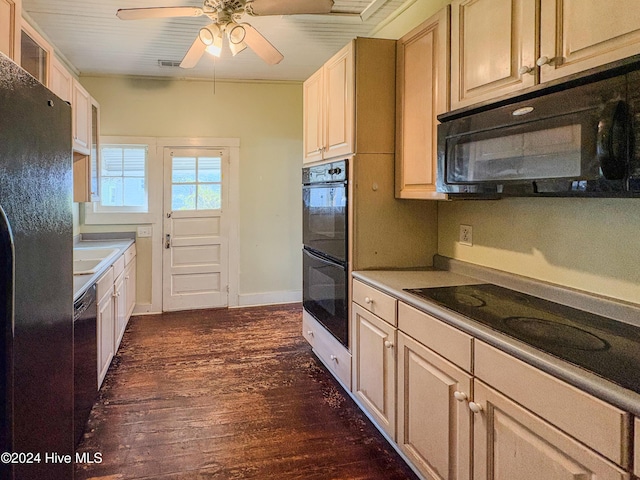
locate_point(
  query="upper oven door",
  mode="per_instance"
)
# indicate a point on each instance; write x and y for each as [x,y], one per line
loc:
[324,219]
[570,141]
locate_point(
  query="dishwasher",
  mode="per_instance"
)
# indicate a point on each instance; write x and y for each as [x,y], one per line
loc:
[85,359]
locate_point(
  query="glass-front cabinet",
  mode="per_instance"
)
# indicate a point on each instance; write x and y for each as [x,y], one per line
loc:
[35,53]
[94,159]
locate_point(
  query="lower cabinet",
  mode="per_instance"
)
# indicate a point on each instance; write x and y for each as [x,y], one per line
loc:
[374,367]
[116,293]
[460,409]
[510,442]
[434,420]
[106,322]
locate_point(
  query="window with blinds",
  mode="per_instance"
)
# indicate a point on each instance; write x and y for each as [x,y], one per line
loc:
[123,178]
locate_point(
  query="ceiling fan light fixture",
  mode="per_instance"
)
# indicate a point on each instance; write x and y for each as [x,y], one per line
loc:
[236,48]
[211,36]
[235,35]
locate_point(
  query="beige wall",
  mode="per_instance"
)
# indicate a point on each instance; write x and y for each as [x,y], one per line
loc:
[267,118]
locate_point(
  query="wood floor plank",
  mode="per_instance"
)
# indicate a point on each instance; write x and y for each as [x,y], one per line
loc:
[228,394]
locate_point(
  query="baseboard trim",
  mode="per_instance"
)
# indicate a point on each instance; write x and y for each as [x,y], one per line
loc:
[269,298]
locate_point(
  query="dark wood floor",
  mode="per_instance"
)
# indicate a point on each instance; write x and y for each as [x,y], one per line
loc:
[228,394]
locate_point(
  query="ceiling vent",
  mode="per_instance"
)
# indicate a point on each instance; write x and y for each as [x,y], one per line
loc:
[169,63]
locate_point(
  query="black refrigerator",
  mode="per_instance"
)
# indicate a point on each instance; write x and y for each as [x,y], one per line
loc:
[36,278]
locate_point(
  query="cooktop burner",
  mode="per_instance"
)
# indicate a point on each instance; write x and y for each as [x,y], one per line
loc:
[601,345]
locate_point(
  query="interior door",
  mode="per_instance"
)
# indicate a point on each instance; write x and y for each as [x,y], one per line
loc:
[196,232]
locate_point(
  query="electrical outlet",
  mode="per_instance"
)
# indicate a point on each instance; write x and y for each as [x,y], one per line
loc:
[144,231]
[466,235]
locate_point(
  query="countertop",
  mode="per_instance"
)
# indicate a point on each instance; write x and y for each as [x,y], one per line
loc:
[394,281]
[82,282]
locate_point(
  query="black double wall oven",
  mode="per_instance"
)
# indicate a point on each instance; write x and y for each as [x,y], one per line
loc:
[325,251]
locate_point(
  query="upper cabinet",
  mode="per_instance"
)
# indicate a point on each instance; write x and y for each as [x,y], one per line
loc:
[60,80]
[422,92]
[499,46]
[491,40]
[348,109]
[579,34]
[35,53]
[81,118]
[10,15]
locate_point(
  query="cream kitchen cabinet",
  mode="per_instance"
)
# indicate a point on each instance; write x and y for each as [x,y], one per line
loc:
[434,388]
[81,118]
[60,80]
[576,35]
[422,93]
[545,427]
[338,122]
[495,48]
[10,15]
[491,40]
[86,168]
[35,53]
[511,442]
[130,278]
[106,323]
[374,367]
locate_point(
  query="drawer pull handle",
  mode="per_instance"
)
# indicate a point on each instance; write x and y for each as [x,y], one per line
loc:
[388,344]
[368,300]
[475,407]
[460,396]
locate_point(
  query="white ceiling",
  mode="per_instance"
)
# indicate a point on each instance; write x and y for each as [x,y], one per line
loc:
[95,42]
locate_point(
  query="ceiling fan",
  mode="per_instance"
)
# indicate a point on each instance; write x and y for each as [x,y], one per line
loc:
[226,15]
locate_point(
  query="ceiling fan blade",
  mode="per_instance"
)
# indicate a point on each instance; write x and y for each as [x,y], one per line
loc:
[260,45]
[288,7]
[158,12]
[193,55]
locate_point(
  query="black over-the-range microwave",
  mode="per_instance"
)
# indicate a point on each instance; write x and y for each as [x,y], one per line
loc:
[573,138]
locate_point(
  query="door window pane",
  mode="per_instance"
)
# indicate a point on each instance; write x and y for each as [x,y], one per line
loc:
[196,183]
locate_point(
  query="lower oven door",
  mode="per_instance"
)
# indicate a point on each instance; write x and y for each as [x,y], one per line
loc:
[324,293]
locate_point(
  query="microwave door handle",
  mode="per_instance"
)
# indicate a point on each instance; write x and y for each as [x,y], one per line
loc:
[612,139]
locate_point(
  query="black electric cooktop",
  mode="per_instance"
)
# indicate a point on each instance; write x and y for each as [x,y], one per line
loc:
[603,346]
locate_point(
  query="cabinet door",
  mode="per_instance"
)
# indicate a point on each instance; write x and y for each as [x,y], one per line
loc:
[105,335]
[491,40]
[120,311]
[130,288]
[434,421]
[10,14]
[313,97]
[81,116]
[35,53]
[510,442]
[339,86]
[60,80]
[422,82]
[374,366]
[94,157]
[579,34]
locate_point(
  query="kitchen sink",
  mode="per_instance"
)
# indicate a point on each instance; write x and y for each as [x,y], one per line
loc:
[90,260]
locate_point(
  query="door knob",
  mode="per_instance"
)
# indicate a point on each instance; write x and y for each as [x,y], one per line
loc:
[167,241]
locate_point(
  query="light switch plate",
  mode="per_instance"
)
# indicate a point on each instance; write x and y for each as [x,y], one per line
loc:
[145,231]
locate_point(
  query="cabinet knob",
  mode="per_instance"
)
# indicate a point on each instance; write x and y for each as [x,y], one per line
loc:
[475,407]
[524,69]
[544,60]
[334,358]
[388,344]
[368,300]
[460,396]
[310,333]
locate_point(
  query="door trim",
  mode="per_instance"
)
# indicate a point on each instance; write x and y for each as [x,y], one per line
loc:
[233,145]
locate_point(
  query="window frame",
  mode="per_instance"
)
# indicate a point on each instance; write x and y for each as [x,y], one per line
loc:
[96,214]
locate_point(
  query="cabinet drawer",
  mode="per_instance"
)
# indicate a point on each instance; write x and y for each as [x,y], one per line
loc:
[335,357]
[129,254]
[594,422]
[104,285]
[308,328]
[118,266]
[375,301]
[451,343]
